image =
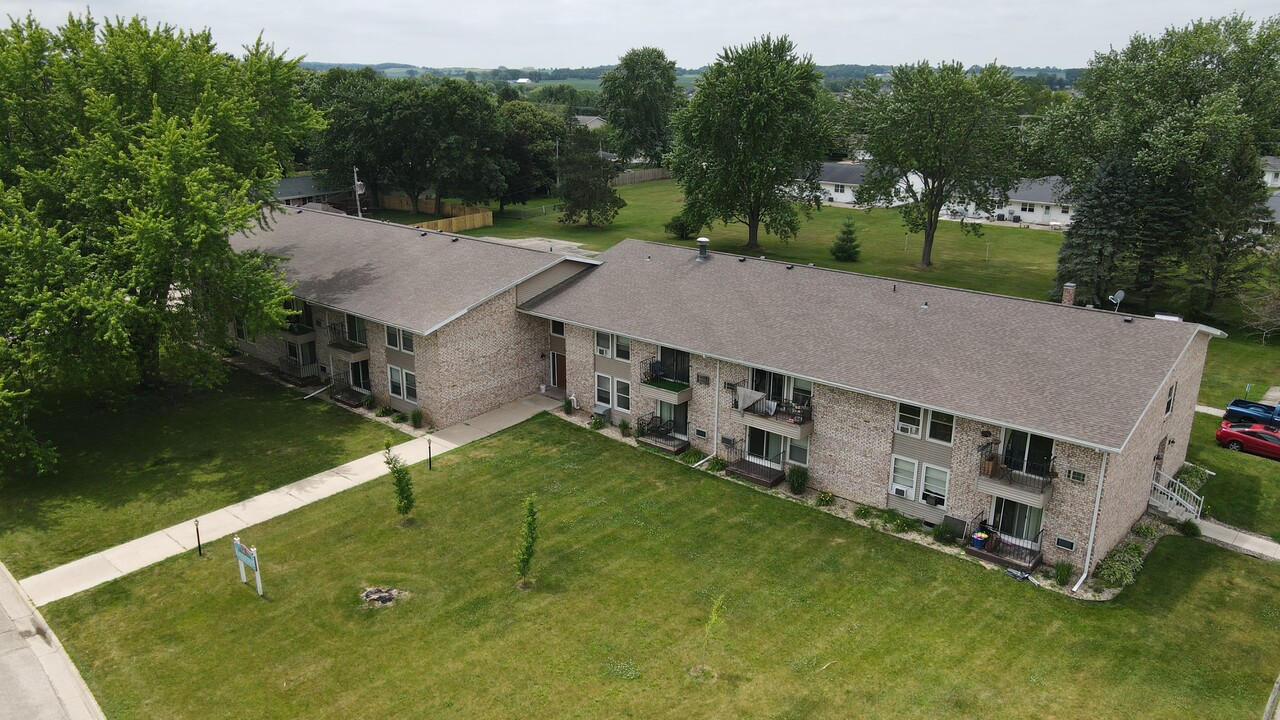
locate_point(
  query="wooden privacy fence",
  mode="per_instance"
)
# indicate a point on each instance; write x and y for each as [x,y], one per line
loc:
[457,217]
[630,177]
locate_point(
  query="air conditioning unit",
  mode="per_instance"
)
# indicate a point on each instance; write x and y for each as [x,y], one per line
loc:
[906,429]
[703,379]
[700,433]
[602,351]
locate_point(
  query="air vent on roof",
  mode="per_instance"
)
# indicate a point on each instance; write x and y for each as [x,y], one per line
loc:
[424,233]
[742,259]
[1128,319]
[925,306]
[762,257]
[1175,317]
[702,248]
[454,240]
[791,267]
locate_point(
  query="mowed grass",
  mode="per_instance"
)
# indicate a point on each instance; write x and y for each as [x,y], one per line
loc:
[823,618]
[156,461]
[1246,491]
[1235,362]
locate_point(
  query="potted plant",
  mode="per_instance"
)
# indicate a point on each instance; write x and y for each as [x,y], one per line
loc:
[979,539]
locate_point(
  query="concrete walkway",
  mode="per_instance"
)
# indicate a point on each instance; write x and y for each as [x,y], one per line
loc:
[1210,410]
[1240,541]
[91,571]
[37,679]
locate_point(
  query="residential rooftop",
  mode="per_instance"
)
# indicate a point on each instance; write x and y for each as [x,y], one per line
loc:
[1072,373]
[844,173]
[394,274]
[1048,190]
[296,186]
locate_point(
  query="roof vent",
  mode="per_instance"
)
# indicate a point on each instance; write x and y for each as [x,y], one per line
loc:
[810,264]
[925,306]
[762,257]
[453,240]
[647,258]
[424,233]
[742,259]
[791,267]
[1128,318]
[1161,315]
[702,248]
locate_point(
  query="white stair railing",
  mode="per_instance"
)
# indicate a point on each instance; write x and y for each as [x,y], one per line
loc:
[1169,494]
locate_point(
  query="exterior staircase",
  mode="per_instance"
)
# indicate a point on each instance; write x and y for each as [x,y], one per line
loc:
[1171,499]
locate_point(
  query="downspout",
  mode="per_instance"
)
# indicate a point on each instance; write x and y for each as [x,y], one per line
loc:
[308,397]
[715,420]
[1093,527]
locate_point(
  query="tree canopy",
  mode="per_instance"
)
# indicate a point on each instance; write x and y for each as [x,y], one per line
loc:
[132,153]
[750,144]
[529,138]
[639,97]
[939,135]
[584,185]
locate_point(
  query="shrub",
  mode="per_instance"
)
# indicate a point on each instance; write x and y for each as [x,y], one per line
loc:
[682,227]
[715,465]
[596,423]
[1189,527]
[415,418]
[401,480]
[1193,477]
[825,499]
[640,431]
[690,456]
[1120,567]
[797,479]
[846,248]
[864,512]
[624,427]
[567,406]
[528,538]
[1145,530]
[944,533]
[385,411]
[400,417]
[901,523]
[1062,572]
[368,402]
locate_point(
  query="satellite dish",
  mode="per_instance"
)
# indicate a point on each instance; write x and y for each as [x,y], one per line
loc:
[1117,298]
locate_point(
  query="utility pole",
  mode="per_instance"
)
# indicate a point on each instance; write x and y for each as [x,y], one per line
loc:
[557,162]
[357,187]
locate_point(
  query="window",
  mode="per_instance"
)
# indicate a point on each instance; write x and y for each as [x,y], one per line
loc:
[798,452]
[1066,210]
[359,375]
[1031,454]
[622,348]
[603,344]
[933,490]
[356,330]
[1065,544]
[238,322]
[801,392]
[839,188]
[399,339]
[557,328]
[299,313]
[603,395]
[1028,207]
[1077,476]
[622,395]
[903,480]
[1168,403]
[909,420]
[403,383]
[941,426]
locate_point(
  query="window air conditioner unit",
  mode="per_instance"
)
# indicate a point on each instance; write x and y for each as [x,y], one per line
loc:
[906,429]
[602,351]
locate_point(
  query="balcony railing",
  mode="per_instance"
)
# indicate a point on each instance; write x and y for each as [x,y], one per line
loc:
[298,328]
[768,471]
[658,373]
[1037,476]
[666,435]
[1003,548]
[340,337]
[293,368]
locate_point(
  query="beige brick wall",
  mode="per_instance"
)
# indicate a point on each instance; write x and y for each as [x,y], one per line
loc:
[851,444]
[1128,483]
[580,365]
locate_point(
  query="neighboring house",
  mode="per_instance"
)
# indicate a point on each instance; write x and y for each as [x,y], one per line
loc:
[1036,202]
[298,190]
[1271,171]
[1048,423]
[590,122]
[419,319]
[1273,203]
[840,181]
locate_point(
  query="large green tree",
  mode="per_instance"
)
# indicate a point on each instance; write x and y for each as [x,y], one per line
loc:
[584,185]
[939,135]
[639,97]
[749,146]
[1187,109]
[530,137]
[138,150]
[354,103]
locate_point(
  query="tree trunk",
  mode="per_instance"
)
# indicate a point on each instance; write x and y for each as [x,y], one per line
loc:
[753,234]
[926,252]
[146,348]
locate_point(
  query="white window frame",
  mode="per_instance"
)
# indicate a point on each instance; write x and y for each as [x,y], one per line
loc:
[1027,207]
[625,341]
[618,395]
[553,328]
[1076,475]
[1170,399]
[607,390]
[1058,544]
[924,468]
[893,478]
[898,425]
[605,350]
[404,383]
[803,443]
[399,335]
[351,378]
[928,429]
[839,188]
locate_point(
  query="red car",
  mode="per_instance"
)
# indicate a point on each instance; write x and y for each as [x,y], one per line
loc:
[1255,438]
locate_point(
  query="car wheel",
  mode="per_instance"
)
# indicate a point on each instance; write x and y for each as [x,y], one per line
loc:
[1235,445]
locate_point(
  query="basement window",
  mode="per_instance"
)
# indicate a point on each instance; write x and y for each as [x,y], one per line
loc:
[1077,475]
[1065,544]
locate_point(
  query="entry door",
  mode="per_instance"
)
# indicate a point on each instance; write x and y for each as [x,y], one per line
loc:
[1160,454]
[1017,520]
[764,447]
[677,414]
[557,370]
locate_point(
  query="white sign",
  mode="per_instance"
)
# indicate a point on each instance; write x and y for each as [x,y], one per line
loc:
[248,556]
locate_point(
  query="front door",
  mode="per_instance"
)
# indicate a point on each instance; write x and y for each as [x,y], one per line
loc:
[1159,458]
[677,415]
[557,370]
[1017,520]
[764,447]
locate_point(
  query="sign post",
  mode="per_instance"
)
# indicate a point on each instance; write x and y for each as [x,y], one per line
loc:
[248,556]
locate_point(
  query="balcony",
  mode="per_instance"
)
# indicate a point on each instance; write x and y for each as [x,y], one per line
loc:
[777,415]
[297,372]
[346,346]
[663,383]
[1024,481]
[766,471]
[666,435]
[1002,548]
[299,332]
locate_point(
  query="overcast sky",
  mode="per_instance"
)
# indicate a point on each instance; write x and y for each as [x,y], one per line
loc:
[572,33]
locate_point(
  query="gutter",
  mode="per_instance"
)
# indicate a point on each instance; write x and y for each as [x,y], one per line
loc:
[1093,527]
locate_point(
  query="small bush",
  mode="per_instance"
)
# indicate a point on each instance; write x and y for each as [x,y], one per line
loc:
[401,480]
[1193,477]
[400,418]
[1120,567]
[690,456]
[640,431]
[385,411]
[596,423]
[825,499]
[624,427]
[1062,572]
[682,227]
[901,523]
[1189,527]
[945,534]
[846,248]
[797,479]
[528,538]
[865,512]
[415,418]
[715,465]
[368,402]
[1145,530]
[567,406]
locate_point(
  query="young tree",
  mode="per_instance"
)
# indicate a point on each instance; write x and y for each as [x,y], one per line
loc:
[714,620]
[940,135]
[750,144]
[846,248]
[529,150]
[639,97]
[401,480]
[584,182]
[528,540]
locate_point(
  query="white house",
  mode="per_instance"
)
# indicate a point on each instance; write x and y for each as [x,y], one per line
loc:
[839,182]
[1037,202]
[1271,171]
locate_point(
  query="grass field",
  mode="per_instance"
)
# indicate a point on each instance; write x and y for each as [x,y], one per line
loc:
[1246,491]
[153,462]
[823,618]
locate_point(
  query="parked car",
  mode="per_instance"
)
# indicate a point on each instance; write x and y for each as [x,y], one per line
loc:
[1246,411]
[1254,438]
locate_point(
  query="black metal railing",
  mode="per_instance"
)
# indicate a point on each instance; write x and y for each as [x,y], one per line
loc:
[1013,469]
[290,366]
[774,406]
[1023,551]
[655,369]
[340,335]
[739,461]
[653,425]
[298,328]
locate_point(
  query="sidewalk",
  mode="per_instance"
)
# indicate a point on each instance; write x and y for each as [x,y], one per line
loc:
[37,679]
[93,570]
[1210,410]
[1237,540]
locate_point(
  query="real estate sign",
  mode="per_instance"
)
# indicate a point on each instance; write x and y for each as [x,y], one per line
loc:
[247,556]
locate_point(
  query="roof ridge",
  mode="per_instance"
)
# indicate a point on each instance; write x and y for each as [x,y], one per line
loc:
[420,232]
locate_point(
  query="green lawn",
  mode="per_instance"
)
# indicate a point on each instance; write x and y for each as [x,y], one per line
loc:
[153,462]
[1236,362]
[1246,491]
[823,618]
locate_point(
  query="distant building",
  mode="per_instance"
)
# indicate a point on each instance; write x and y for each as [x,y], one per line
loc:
[300,190]
[1271,171]
[1037,202]
[590,122]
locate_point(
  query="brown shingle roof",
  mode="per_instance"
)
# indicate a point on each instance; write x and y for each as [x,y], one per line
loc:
[391,273]
[1072,373]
